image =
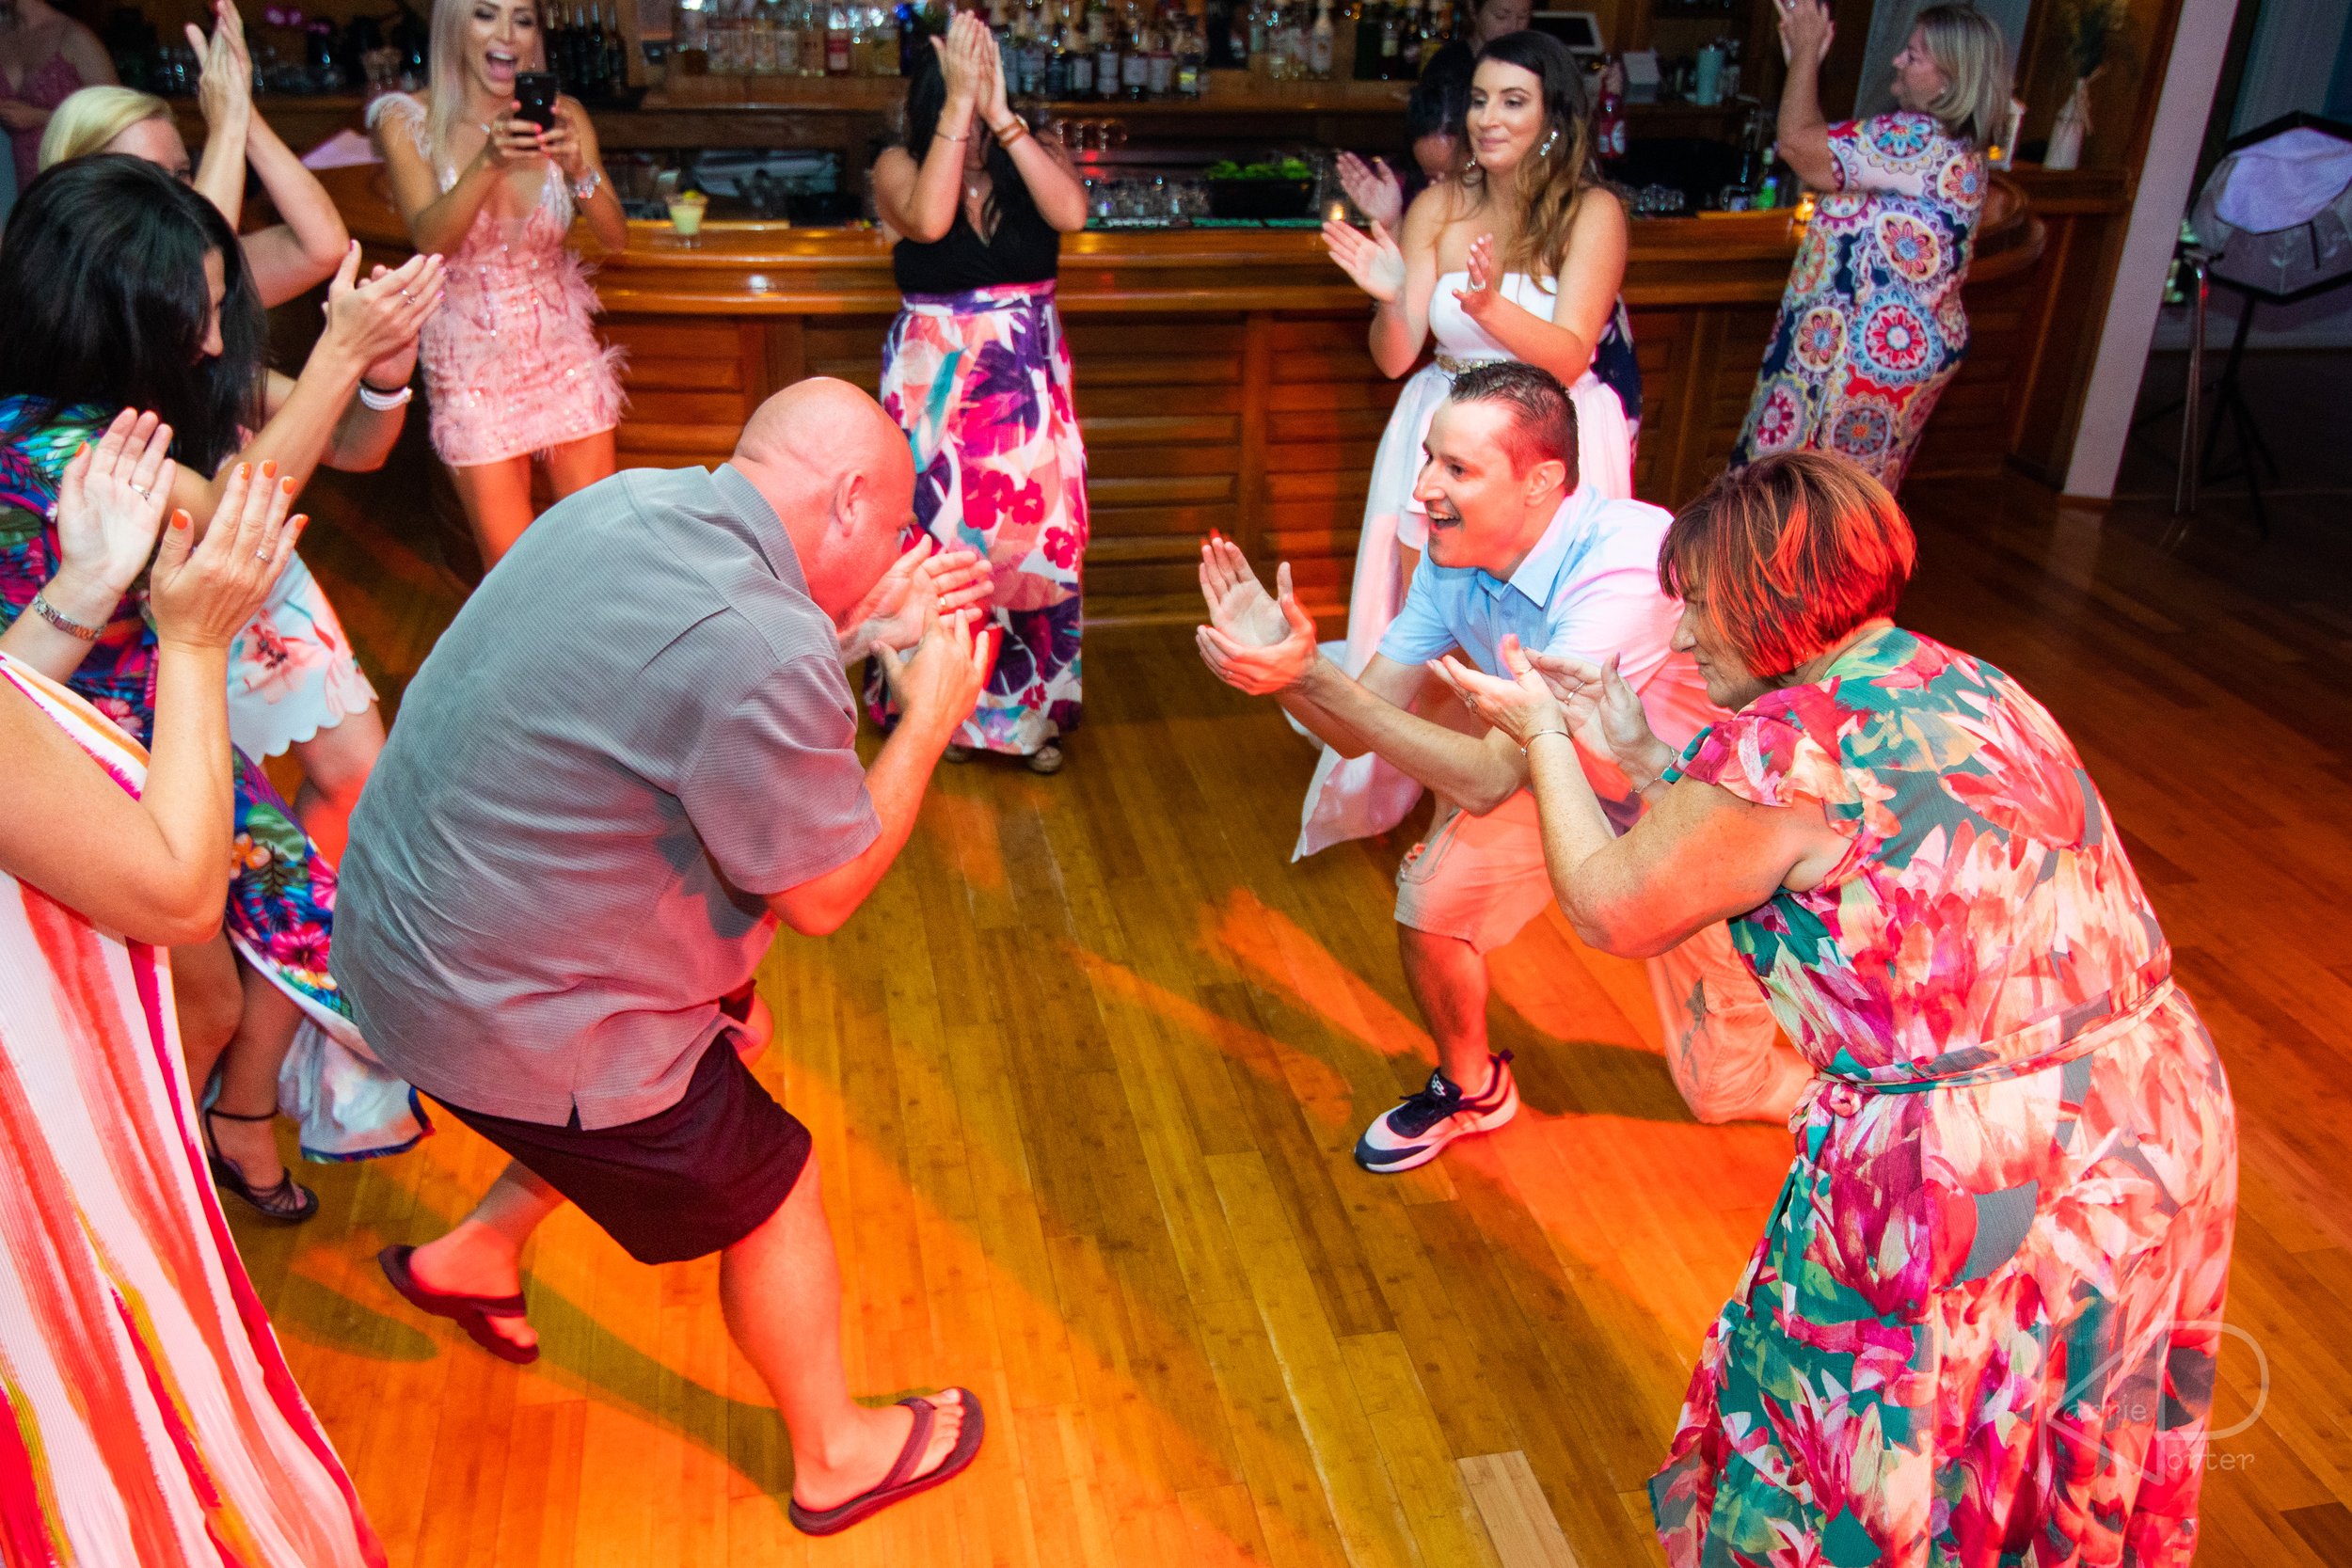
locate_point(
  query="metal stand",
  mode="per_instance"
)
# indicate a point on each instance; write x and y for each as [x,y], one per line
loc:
[2184,475]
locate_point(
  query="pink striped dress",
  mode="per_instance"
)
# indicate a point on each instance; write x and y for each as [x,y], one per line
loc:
[149,1416]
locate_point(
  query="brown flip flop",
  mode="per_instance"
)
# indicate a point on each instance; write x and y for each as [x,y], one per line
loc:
[895,1487]
[470,1313]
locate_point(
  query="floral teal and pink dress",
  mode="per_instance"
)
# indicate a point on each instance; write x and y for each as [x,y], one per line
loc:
[281,895]
[1982,1322]
[1872,329]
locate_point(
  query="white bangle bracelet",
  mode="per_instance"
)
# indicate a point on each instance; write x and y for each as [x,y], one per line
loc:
[384,403]
[585,186]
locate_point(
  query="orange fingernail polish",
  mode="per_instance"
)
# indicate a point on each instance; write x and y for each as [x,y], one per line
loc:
[179,519]
[269,471]
[288,484]
[245,471]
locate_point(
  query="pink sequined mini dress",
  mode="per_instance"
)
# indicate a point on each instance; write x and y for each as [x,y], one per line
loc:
[511,363]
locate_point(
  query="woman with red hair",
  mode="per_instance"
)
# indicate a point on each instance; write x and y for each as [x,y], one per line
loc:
[1985,1310]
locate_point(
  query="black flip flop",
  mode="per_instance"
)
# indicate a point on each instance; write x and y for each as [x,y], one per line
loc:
[895,1487]
[470,1313]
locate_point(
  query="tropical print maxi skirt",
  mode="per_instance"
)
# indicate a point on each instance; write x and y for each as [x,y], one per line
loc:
[980,384]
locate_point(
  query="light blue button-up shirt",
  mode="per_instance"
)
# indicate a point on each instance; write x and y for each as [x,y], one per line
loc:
[1588,588]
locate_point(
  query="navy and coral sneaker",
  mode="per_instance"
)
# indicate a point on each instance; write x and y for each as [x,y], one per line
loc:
[1411,1134]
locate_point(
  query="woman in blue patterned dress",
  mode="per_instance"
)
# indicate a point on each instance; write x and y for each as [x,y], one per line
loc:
[1871,326]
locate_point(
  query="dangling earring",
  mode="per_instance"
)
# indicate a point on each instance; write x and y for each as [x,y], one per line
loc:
[1549,141]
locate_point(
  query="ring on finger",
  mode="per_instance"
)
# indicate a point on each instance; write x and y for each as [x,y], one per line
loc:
[145,493]
[260,555]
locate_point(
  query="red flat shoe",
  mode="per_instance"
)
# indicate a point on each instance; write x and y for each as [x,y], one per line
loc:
[895,1487]
[470,1313]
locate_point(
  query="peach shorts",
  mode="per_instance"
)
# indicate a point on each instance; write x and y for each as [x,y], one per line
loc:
[1479,880]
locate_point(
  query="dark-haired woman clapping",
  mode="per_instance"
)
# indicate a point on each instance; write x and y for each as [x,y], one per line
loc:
[148,303]
[977,372]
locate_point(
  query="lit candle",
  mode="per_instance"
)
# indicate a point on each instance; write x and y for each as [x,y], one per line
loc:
[1336,212]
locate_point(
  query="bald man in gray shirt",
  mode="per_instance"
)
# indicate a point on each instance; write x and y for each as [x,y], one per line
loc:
[628,759]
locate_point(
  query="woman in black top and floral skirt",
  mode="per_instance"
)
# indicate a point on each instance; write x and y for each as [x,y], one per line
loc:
[977,372]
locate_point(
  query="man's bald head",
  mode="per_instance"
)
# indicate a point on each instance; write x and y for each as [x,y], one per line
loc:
[840,476]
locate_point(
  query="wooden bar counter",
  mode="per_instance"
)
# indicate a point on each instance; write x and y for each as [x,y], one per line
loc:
[1222,376]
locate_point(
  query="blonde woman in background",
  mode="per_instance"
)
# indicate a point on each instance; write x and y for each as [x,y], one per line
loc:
[1872,329]
[286,259]
[513,366]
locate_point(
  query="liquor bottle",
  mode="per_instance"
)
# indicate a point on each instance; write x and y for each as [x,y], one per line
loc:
[1260,39]
[1056,82]
[1135,65]
[1159,79]
[1106,61]
[1081,52]
[1192,58]
[1608,137]
[615,73]
[1391,42]
[691,28]
[1321,42]
[1367,51]
[836,40]
[1034,58]
[1412,34]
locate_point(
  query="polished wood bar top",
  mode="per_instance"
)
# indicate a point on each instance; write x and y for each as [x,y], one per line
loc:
[763,269]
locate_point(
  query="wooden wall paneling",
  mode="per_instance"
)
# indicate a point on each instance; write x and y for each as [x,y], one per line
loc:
[848,347]
[686,383]
[1257,392]
[1323,428]
[785,357]
[1162,402]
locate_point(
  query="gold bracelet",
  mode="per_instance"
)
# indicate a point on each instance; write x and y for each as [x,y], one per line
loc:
[1019,129]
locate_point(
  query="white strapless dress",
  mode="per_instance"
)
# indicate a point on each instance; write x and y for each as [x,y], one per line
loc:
[1359,797]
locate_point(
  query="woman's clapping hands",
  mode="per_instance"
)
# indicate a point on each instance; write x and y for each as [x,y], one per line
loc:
[1805,30]
[225,89]
[110,502]
[1591,703]
[1375,188]
[376,322]
[1373,260]
[1483,290]
[202,592]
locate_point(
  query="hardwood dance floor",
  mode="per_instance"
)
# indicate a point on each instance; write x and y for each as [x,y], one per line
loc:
[1084,1075]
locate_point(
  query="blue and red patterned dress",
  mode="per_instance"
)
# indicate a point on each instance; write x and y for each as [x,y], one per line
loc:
[1980,1328]
[281,892]
[1871,328]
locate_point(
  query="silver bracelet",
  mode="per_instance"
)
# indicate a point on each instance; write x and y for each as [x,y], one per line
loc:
[385,402]
[586,186]
[57,618]
[1540,734]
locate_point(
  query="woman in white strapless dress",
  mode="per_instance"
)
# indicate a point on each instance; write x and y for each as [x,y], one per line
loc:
[1521,258]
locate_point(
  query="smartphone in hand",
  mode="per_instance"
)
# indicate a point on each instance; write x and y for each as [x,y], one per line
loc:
[535,91]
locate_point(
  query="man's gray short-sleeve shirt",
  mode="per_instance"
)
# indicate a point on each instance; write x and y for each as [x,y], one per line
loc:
[636,728]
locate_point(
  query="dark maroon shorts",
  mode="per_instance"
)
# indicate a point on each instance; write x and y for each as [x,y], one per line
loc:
[680,1183]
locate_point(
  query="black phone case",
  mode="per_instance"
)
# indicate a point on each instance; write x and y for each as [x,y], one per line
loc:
[535,90]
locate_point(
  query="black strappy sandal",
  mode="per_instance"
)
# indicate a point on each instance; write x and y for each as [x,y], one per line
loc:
[284,1202]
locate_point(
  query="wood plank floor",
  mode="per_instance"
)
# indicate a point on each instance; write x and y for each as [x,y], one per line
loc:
[1084,1075]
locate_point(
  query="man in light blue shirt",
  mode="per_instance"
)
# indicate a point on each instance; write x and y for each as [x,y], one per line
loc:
[1513,551]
